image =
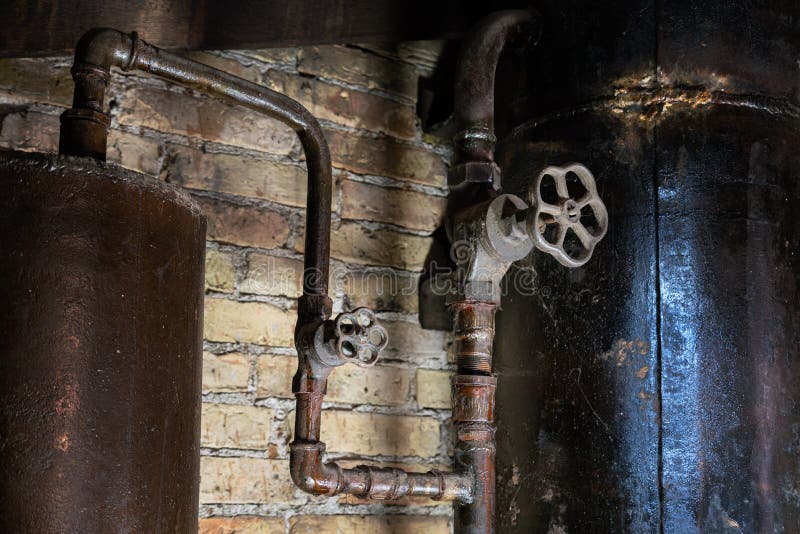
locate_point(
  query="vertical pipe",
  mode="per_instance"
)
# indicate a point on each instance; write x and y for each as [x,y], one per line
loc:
[473,412]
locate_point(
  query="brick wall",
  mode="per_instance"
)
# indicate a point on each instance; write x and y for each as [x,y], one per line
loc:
[248,173]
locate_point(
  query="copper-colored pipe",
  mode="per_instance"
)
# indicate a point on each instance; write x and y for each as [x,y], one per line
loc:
[84,133]
[311,474]
[473,411]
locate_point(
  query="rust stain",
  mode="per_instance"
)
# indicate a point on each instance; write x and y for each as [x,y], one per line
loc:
[63,442]
[623,350]
[515,475]
[641,373]
[67,405]
[74,342]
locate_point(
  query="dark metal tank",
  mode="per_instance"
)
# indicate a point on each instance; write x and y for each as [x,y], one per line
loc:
[101,305]
[657,388]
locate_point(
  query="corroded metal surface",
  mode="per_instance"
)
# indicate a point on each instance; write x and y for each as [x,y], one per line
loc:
[655,389]
[321,347]
[473,159]
[575,353]
[100,349]
[473,412]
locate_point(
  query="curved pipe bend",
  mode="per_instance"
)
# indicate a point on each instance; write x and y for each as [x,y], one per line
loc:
[475,86]
[85,128]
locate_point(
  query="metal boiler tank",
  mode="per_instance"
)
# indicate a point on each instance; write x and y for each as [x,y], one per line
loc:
[101,286]
[657,388]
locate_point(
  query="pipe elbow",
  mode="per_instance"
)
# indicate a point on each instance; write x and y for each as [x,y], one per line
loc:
[477,63]
[103,48]
[309,473]
[307,482]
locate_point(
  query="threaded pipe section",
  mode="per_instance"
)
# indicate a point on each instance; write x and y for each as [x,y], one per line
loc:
[474,337]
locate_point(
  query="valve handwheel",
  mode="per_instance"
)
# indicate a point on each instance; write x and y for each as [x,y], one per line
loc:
[359,337]
[552,219]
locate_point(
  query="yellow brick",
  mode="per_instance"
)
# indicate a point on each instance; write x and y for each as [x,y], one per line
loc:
[226,372]
[37,80]
[355,243]
[248,322]
[359,68]
[386,157]
[410,342]
[220,271]
[246,480]
[273,275]
[33,130]
[237,175]
[381,385]
[372,385]
[272,55]
[433,388]
[410,209]
[373,434]
[383,290]
[205,118]
[134,152]
[29,130]
[360,524]
[235,427]
[275,376]
[242,525]
[249,226]
[356,109]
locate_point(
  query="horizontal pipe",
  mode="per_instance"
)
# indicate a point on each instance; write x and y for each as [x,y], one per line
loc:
[314,476]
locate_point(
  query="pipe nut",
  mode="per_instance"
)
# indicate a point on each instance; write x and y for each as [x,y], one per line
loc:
[474,172]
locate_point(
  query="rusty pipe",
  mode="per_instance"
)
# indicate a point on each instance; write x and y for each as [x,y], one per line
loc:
[314,476]
[473,412]
[319,352]
[475,79]
[474,142]
[84,130]
[311,474]
[494,248]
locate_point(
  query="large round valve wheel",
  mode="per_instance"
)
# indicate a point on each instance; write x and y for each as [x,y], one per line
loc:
[568,218]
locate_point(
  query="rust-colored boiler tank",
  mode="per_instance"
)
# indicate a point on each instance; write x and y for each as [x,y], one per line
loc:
[101,285]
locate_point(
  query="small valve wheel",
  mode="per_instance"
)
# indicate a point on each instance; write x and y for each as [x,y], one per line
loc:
[359,337]
[568,218]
